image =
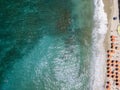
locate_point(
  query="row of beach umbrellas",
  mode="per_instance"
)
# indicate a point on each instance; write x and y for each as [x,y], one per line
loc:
[113,66]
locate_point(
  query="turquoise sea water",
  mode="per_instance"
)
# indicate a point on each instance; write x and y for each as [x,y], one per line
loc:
[45,44]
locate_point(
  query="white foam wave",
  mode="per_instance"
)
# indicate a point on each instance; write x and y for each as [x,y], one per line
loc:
[98,35]
[66,69]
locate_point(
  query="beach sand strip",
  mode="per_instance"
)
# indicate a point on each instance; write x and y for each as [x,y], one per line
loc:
[112,46]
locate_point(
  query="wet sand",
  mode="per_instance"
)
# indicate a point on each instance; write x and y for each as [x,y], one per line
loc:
[108,10]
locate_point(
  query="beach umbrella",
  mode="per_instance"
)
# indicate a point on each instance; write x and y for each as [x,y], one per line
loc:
[118,29]
[117,83]
[116,47]
[116,80]
[116,76]
[108,60]
[108,82]
[108,72]
[112,72]
[109,56]
[112,61]
[112,76]
[108,50]
[112,64]
[116,65]
[112,50]
[116,69]
[113,40]
[107,86]
[113,36]
[108,64]
[108,75]
[116,73]
[116,61]
[108,68]
[113,45]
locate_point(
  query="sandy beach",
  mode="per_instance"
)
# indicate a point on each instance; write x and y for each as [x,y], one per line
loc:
[107,8]
[111,81]
[111,9]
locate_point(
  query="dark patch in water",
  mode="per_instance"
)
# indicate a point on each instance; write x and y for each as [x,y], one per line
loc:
[24,43]
[24,23]
[63,22]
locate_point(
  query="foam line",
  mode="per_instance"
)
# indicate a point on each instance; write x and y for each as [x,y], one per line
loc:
[98,36]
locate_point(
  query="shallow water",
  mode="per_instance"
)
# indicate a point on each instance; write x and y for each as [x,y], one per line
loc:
[45,44]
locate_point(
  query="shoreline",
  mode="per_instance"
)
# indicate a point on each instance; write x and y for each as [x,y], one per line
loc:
[99,55]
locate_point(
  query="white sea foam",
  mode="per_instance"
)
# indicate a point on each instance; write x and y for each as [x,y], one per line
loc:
[98,58]
[66,73]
